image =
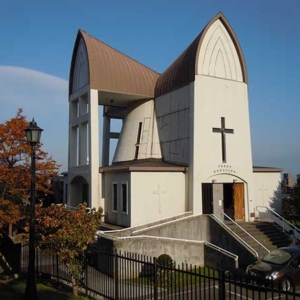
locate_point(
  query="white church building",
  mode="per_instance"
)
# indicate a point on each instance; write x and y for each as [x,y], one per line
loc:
[185,143]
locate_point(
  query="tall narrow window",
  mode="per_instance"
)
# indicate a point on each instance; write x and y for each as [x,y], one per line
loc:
[138,140]
[124,197]
[115,196]
[77,146]
[75,109]
[66,194]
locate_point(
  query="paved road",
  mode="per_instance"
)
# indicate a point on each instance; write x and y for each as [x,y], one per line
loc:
[231,292]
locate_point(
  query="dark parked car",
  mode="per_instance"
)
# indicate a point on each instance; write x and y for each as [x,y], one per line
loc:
[282,266]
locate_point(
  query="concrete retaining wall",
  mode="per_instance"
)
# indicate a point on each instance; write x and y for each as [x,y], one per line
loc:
[183,240]
[194,228]
[222,238]
[216,260]
[180,251]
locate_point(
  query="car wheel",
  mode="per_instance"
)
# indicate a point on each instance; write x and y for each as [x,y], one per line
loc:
[286,284]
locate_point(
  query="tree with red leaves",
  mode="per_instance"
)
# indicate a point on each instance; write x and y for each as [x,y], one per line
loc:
[15,155]
[68,234]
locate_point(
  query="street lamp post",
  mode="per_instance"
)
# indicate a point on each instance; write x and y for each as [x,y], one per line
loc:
[33,136]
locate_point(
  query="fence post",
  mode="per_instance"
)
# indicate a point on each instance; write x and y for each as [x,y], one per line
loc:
[116,275]
[222,295]
[155,279]
[57,269]
[86,279]
[36,262]
[53,263]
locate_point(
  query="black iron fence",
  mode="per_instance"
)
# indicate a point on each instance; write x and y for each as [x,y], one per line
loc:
[131,276]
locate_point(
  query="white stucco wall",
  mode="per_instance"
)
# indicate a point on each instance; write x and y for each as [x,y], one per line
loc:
[219,91]
[84,146]
[149,147]
[218,56]
[267,191]
[215,98]
[116,217]
[156,196]
[172,111]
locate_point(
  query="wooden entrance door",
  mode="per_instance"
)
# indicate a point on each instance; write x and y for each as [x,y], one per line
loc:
[239,211]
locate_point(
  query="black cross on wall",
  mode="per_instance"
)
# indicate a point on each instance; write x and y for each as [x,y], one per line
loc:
[223,130]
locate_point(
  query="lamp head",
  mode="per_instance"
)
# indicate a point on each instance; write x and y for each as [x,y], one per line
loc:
[33,133]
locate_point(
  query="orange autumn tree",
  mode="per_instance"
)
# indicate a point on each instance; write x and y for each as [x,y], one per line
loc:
[10,214]
[68,234]
[15,163]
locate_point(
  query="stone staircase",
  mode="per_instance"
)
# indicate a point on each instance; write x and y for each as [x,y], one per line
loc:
[267,233]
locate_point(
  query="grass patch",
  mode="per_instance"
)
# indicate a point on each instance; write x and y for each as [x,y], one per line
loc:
[15,289]
[171,279]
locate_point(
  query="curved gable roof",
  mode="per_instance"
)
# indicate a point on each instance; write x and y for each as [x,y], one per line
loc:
[113,71]
[183,70]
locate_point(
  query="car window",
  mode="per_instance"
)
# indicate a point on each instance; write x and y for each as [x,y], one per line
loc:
[296,262]
[277,257]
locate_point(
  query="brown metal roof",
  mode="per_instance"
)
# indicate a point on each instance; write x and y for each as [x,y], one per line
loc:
[183,70]
[113,71]
[257,169]
[146,165]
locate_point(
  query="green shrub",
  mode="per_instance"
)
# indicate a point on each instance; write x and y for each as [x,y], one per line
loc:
[165,260]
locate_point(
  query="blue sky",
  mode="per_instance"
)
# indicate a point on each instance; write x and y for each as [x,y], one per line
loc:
[37,39]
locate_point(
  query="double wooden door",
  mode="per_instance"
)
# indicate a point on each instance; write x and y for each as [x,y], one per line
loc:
[239,201]
[213,197]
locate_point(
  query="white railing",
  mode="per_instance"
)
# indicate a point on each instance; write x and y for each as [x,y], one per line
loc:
[73,208]
[267,214]
[260,245]
[155,223]
[253,251]
[156,238]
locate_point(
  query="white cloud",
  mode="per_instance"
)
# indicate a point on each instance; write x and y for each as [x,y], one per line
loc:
[43,97]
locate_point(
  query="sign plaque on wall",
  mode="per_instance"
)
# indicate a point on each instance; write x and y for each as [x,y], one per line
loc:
[224,169]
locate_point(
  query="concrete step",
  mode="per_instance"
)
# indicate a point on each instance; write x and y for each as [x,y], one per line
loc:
[268,234]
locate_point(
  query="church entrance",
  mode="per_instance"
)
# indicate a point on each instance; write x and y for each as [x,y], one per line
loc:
[224,197]
[229,200]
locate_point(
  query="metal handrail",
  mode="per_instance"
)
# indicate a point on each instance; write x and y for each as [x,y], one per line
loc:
[252,237]
[232,232]
[164,224]
[289,225]
[151,226]
[221,250]
[73,208]
[217,248]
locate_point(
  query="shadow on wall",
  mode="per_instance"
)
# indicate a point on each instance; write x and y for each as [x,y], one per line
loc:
[276,200]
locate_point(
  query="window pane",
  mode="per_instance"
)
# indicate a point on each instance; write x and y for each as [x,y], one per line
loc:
[115,197]
[124,197]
